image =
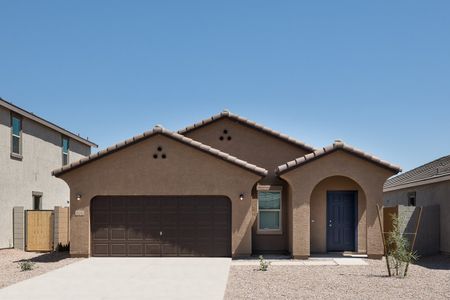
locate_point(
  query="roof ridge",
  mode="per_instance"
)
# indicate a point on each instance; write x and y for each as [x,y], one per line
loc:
[423,172]
[254,125]
[158,129]
[336,145]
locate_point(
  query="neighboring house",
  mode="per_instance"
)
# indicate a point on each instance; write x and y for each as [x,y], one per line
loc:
[424,186]
[30,148]
[224,187]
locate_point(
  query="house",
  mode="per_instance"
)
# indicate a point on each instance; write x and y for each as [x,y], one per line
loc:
[426,185]
[30,148]
[225,186]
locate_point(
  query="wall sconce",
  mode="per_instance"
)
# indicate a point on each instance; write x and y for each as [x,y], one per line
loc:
[241,197]
[78,197]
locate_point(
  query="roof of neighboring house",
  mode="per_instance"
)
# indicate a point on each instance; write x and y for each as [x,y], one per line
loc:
[437,170]
[31,116]
[178,137]
[254,125]
[337,145]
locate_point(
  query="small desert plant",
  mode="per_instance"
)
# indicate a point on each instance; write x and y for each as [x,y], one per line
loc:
[26,265]
[399,253]
[63,247]
[263,264]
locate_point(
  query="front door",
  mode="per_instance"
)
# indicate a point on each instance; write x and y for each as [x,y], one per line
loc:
[341,220]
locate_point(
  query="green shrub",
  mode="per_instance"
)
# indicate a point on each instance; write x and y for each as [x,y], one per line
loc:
[263,264]
[26,265]
[399,253]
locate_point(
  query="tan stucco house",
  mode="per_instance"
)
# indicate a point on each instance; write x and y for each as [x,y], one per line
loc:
[225,186]
[30,148]
[426,185]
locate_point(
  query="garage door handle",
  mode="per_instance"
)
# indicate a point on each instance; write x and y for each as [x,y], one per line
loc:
[160,233]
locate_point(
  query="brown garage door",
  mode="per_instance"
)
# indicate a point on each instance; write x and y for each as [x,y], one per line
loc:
[160,226]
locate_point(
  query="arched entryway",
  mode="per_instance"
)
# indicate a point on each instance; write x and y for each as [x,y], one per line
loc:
[338,216]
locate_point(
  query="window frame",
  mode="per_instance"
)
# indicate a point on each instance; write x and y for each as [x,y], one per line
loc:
[412,196]
[35,195]
[267,231]
[15,154]
[63,137]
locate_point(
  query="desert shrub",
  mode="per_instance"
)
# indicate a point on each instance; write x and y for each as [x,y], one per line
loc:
[399,253]
[26,265]
[263,264]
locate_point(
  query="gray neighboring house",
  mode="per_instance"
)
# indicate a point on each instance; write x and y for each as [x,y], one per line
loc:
[424,186]
[30,148]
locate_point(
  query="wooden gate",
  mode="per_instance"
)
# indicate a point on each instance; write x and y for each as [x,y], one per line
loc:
[39,232]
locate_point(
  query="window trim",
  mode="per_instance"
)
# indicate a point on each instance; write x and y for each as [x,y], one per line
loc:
[270,188]
[15,154]
[63,137]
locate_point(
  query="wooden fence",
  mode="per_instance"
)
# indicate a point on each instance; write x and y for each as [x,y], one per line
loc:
[40,230]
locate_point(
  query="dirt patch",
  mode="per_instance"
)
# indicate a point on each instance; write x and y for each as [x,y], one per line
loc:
[44,262]
[429,279]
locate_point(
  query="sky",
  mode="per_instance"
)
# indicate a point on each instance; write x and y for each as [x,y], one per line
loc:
[375,74]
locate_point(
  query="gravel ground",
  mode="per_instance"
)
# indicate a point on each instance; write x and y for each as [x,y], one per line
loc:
[429,279]
[10,272]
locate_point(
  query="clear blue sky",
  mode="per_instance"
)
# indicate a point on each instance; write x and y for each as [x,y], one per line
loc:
[373,73]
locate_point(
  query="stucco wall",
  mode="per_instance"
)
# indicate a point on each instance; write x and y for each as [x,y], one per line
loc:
[185,171]
[427,195]
[41,150]
[262,150]
[369,176]
[318,204]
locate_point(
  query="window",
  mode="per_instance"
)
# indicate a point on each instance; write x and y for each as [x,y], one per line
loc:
[269,211]
[37,201]
[412,199]
[65,150]
[16,135]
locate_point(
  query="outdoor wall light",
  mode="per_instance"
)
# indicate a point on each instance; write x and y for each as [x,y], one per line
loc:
[78,197]
[241,197]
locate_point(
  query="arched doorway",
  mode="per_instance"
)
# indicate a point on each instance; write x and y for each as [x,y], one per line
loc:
[338,216]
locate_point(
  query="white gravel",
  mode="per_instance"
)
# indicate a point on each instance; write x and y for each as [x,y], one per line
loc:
[429,279]
[10,272]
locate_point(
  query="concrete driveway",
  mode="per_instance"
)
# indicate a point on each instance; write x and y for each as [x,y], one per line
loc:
[128,278]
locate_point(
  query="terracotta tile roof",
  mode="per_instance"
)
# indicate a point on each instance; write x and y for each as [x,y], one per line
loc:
[227,114]
[433,170]
[329,149]
[178,137]
[29,115]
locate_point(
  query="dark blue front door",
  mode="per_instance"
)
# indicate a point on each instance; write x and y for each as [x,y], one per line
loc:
[341,217]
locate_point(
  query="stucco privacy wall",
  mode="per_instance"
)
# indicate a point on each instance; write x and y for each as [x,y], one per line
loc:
[41,151]
[319,212]
[186,171]
[426,195]
[303,179]
[261,149]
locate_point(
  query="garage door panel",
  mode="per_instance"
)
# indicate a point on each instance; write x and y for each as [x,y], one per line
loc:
[100,217]
[100,234]
[135,250]
[118,218]
[118,233]
[153,249]
[118,249]
[190,226]
[135,217]
[135,233]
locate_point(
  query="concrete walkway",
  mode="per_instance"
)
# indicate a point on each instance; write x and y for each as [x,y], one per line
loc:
[128,278]
[312,261]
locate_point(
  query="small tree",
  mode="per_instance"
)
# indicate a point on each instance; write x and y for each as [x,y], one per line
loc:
[399,252]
